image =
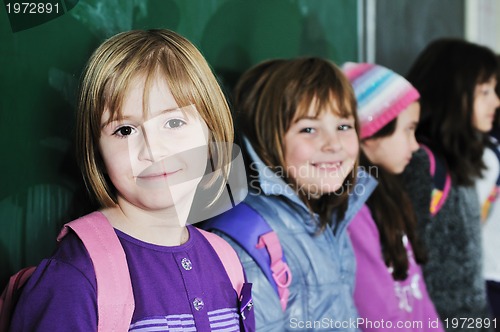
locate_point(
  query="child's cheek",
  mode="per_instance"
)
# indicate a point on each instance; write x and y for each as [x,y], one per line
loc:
[351,145]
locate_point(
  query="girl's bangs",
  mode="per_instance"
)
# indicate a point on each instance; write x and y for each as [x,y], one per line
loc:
[335,102]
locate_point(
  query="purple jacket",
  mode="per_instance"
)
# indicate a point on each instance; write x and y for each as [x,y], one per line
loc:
[181,288]
[382,302]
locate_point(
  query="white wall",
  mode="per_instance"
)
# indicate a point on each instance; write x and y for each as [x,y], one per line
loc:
[482,23]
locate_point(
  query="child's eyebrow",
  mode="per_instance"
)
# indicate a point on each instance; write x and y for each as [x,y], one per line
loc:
[115,119]
[127,117]
[169,110]
[306,117]
[309,117]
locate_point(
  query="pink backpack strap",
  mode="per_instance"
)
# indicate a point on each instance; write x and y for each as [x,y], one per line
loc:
[10,295]
[432,160]
[253,234]
[280,270]
[441,181]
[115,298]
[229,259]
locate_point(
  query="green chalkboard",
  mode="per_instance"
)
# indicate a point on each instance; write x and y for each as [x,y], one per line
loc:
[41,58]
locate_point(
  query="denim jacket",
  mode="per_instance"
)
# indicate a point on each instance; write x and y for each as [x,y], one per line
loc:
[322,263]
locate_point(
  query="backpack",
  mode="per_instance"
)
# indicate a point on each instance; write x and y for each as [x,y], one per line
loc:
[441,180]
[250,230]
[115,298]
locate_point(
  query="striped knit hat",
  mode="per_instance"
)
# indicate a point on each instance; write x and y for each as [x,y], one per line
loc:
[381,94]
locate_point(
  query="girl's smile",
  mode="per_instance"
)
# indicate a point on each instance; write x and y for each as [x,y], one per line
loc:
[320,151]
[156,178]
[156,157]
[328,166]
[160,171]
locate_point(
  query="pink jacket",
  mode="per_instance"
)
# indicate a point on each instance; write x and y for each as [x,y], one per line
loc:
[382,302]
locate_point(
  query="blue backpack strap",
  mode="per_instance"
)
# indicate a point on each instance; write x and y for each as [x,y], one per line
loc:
[441,180]
[251,232]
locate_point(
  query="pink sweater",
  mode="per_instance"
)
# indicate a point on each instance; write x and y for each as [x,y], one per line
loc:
[383,303]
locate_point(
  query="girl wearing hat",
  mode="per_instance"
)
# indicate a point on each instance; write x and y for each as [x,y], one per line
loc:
[390,291]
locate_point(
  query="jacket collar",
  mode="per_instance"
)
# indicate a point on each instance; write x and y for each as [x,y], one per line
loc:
[271,184]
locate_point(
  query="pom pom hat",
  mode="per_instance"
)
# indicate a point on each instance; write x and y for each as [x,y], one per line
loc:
[381,95]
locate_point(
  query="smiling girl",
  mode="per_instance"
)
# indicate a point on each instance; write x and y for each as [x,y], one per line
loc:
[299,124]
[150,117]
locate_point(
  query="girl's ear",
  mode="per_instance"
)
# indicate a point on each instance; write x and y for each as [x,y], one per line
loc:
[369,145]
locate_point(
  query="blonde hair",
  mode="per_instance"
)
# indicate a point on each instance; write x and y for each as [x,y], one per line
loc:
[106,78]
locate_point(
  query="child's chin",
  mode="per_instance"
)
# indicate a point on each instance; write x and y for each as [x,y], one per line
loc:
[333,189]
[400,169]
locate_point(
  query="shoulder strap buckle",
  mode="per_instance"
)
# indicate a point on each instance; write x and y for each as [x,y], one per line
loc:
[280,270]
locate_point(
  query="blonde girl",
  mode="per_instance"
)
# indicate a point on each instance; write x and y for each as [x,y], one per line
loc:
[150,111]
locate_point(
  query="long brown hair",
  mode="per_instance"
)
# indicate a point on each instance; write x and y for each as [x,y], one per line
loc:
[269,96]
[393,213]
[446,74]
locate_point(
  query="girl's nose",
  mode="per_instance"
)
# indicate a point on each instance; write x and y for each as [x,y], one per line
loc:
[497,101]
[413,144]
[152,147]
[331,142]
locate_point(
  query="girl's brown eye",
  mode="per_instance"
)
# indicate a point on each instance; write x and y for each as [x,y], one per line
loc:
[307,130]
[345,127]
[123,131]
